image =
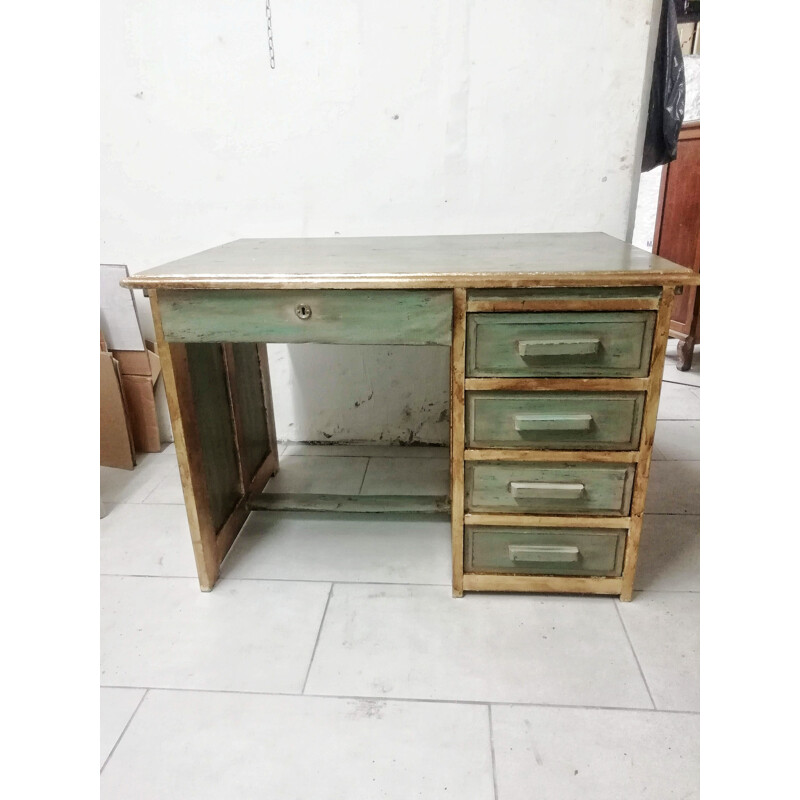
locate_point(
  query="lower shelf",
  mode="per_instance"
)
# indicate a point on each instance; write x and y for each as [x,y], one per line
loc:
[361,503]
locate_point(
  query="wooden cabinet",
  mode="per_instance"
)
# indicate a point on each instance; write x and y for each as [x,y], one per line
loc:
[677,235]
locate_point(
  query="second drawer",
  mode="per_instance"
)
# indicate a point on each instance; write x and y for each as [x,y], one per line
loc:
[555,420]
[549,488]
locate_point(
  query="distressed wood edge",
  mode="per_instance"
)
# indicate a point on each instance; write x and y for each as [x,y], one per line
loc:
[601,456]
[649,417]
[177,383]
[457,423]
[236,416]
[555,584]
[418,280]
[542,521]
[606,304]
[557,384]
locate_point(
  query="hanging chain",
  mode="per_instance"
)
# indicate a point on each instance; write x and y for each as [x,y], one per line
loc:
[269,37]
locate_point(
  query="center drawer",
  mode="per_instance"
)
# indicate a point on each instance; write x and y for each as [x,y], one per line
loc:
[544,551]
[553,488]
[584,344]
[554,420]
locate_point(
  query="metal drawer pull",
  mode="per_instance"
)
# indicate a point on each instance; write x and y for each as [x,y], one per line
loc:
[543,552]
[546,491]
[565,346]
[552,422]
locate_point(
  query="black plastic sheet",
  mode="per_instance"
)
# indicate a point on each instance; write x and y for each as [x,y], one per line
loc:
[667,93]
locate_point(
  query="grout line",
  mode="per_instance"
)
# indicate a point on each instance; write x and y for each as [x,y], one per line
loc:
[386,698]
[124,730]
[491,744]
[227,579]
[316,641]
[636,657]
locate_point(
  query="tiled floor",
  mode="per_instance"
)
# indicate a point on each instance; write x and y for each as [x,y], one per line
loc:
[331,660]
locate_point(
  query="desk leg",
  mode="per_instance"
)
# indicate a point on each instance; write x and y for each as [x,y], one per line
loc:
[457,365]
[221,411]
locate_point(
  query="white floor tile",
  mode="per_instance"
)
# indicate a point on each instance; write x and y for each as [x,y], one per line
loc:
[678,402]
[674,488]
[366,450]
[319,475]
[342,547]
[669,553]
[169,489]
[419,642]
[141,539]
[243,636]
[671,372]
[574,754]
[116,709]
[407,476]
[664,630]
[210,745]
[677,440]
[132,486]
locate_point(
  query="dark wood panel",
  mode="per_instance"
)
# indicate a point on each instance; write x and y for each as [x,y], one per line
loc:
[215,429]
[251,414]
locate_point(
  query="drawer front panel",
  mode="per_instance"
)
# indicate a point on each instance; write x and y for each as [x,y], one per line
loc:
[549,488]
[328,316]
[581,344]
[555,420]
[544,551]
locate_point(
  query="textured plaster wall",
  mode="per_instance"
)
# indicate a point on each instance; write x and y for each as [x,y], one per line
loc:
[454,116]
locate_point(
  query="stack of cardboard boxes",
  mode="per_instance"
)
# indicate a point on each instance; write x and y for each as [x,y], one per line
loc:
[133,416]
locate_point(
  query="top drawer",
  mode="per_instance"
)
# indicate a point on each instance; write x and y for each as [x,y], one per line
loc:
[584,344]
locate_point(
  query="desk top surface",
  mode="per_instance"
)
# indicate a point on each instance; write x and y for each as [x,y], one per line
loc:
[407,262]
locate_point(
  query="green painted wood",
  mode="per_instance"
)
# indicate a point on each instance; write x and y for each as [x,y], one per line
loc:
[544,551]
[494,344]
[362,503]
[555,420]
[252,421]
[494,486]
[215,428]
[331,316]
[568,293]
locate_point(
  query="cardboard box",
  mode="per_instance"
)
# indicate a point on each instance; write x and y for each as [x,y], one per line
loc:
[140,371]
[116,436]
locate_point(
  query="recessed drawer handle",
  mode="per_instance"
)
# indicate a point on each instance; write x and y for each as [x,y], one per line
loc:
[553,422]
[543,552]
[548,491]
[564,346]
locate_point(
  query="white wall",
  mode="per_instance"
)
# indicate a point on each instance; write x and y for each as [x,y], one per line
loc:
[427,116]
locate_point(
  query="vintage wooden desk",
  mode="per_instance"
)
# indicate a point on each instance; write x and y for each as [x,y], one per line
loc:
[557,348]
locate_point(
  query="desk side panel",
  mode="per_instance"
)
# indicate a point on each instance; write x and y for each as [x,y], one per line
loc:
[334,316]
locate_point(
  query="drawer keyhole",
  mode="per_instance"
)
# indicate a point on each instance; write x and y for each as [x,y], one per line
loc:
[303,311]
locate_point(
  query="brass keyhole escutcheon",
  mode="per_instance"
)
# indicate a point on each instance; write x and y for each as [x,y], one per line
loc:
[303,311]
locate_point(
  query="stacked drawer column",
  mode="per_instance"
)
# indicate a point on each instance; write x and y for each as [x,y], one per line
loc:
[554,400]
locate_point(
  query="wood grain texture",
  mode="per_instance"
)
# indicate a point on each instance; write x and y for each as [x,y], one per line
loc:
[333,316]
[534,520]
[494,260]
[540,583]
[175,369]
[646,443]
[457,367]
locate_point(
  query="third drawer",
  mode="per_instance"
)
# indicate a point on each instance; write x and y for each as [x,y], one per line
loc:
[554,420]
[549,488]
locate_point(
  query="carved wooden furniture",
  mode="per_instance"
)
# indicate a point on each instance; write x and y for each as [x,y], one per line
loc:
[557,351]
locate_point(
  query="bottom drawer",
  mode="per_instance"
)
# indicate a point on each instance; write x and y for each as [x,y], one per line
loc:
[544,551]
